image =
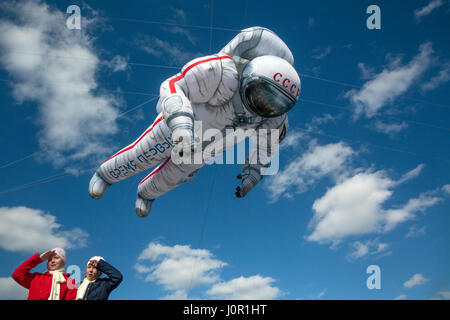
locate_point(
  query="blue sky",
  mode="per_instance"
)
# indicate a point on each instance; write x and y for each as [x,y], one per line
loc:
[363,178]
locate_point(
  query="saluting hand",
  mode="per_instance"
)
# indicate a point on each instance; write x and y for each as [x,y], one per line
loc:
[93,263]
[48,255]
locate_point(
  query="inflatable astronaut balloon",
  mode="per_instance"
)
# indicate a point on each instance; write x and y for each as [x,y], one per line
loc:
[250,84]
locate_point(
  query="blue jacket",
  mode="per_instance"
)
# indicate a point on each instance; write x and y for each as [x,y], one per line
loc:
[102,287]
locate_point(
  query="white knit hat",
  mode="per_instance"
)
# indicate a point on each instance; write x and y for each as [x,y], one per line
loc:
[98,258]
[61,253]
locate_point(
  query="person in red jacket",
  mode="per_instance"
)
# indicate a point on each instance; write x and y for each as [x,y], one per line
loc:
[53,284]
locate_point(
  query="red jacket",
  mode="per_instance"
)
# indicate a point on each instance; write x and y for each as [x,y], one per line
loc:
[40,284]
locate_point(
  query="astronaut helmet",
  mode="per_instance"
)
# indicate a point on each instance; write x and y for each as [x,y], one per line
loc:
[269,86]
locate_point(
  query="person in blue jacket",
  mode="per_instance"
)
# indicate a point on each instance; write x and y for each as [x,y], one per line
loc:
[95,288]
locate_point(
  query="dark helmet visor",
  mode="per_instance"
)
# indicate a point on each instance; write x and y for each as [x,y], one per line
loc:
[266,99]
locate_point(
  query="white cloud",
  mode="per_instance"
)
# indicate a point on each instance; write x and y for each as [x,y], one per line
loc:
[171,52]
[298,137]
[317,162]
[366,72]
[360,249]
[178,267]
[29,230]
[118,63]
[390,128]
[430,7]
[415,280]
[316,122]
[391,83]
[184,32]
[179,15]
[370,247]
[322,160]
[354,206]
[320,54]
[436,81]
[444,295]
[446,188]
[395,216]
[242,288]
[56,68]
[11,290]
[412,174]
[415,231]
[177,295]
[293,139]
[320,294]
[401,297]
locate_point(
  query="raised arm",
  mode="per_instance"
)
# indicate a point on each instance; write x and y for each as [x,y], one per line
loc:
[112,273]
[22,274]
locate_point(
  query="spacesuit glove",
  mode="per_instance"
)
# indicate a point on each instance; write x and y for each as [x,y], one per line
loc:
[184,141]
[250,177]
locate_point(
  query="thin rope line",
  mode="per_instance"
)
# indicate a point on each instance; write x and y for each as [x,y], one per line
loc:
[153,65]
[172,24]
[301,99]
[136,107]
[382,147]
[104,62]
[430,125]
[245,13]
[211,27]
[214,175]
[63,174]
[118,116]
[116,213]
[118,91]
[359,87]
[42,181]
[36,182]
[204,223]
[19,160]
[330,81]
[145,21]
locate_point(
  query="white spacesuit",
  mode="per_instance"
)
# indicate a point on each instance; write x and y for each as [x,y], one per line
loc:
[249,84]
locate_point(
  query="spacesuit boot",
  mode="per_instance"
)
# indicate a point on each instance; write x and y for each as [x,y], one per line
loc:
[143,206]
[97,186]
